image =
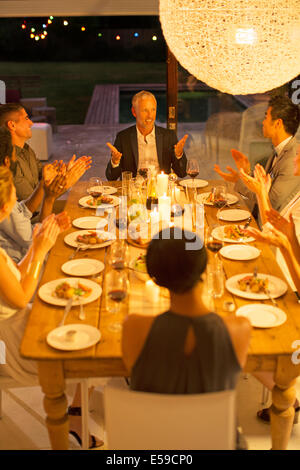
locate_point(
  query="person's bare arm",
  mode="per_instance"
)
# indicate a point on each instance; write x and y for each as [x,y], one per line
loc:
[135,332]
[239,329]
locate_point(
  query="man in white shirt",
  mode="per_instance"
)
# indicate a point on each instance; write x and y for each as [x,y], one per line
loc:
[280,125]
[146,144]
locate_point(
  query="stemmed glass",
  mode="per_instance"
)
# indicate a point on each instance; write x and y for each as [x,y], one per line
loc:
[211,243]
[193,169]
[118,256]
[95,189]
[116,293]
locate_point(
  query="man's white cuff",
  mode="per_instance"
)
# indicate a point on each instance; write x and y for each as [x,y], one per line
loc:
[114,165]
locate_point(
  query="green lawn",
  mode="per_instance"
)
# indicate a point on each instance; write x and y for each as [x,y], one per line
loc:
[69,86]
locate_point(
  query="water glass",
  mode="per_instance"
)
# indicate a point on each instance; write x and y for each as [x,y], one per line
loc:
[126,177]
[95,187]
[118,256]
[215,279]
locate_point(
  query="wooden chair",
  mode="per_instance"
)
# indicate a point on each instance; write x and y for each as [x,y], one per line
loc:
[138,420]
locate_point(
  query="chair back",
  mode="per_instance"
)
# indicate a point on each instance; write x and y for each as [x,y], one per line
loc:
[138,420]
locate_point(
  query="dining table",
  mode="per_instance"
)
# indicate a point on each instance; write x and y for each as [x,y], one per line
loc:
[271,349]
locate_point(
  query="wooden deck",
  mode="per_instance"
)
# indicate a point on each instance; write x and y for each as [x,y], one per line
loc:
[104,105]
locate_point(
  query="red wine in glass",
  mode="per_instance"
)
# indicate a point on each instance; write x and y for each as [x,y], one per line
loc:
[117,295]
[214,246]
[118,264]
[143,172]
[193,173]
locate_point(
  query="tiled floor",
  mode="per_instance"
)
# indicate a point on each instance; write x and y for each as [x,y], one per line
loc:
[22,425]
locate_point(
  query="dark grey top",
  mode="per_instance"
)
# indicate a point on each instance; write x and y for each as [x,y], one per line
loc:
[162,366]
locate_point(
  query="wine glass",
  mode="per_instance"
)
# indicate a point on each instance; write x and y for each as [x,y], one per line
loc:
[118,256]
[95,188]
[220,196]
[193,169]
[212,244]
[116,292]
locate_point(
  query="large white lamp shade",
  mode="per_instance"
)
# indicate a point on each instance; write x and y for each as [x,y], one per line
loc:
[235,46]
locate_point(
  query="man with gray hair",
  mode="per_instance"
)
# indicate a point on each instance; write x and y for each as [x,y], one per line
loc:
[145,144]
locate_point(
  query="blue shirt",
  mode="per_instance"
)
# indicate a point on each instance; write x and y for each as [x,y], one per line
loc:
[16,232]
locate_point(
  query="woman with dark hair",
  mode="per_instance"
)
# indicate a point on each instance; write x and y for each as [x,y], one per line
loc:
[187,349]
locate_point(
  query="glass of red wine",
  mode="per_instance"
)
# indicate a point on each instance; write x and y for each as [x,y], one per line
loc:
[95,188]
[212,244]
[193,169]
[116,292]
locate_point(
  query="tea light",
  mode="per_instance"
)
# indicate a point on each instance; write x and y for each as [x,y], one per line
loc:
[152,291]
[164,207]
[162,184]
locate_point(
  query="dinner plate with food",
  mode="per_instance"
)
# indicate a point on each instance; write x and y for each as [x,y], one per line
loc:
[102,190]
[73,337]
[233,215]
[239,252]
[139,235]
[231,234]
[262,315]
[193,183]
[89,238]
[210,200]
[256,286]
[99,202]
[59,291]
[138,265]
[90,223]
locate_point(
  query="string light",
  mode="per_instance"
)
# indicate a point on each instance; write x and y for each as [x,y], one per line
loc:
[99,35]
[118,38]
[37,38]
[136,35]
[51,17]
[82,28]
[49,21]
[44,26]
[23,26]
[32,36]
[66,23]
[154,38]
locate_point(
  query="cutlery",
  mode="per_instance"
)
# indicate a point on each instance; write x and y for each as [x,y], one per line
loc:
[79,247]
[67,309]
[298,296]
[267,292]
[247,223]
[82,313]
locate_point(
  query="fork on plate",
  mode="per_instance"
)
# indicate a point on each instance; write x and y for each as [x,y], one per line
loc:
[80,246]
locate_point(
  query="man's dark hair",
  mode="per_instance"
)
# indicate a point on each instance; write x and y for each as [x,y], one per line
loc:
[6,110]
[171,264]
[283,108]
[6,146]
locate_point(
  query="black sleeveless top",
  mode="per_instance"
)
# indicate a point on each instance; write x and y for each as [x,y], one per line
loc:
[162,366]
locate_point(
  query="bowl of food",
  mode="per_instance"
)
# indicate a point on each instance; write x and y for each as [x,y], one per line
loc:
[138,265]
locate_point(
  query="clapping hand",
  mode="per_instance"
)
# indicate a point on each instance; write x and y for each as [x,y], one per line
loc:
[261,182]
[57,187]
[241,160]
[77,169]
[287,227]
[178,148]
[63,220]
[232,176]
[45,235]
[115,154]
[271,236]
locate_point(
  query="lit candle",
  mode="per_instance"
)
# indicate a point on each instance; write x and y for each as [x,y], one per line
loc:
[154,221]
[162,184]
[176,194]
[164,206]
[152,291]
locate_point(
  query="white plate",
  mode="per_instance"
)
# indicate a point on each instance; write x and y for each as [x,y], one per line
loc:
[90,223]
[277,287]
[47,290]
[82,267]
[70,239]
[104,189]
[262,315]
[83,202]
[233,215]
[218,234]
[85,337]
[196,183]
[230,198]
[240,252]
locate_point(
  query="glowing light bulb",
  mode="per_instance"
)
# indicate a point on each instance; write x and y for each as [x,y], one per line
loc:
[32,30]
[99,35]
[154,38]
[136,35]
[23,26]
[118,38]
[44,26]
[51,17]
[49,21]
[32,36]
[82,28]
[37,38]
[42,36]
[45,33]
[66,23]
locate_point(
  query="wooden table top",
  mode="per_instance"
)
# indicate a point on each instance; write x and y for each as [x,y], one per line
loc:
[269,342]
